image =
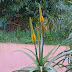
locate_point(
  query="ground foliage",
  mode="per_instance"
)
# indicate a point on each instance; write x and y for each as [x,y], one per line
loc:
[14,14]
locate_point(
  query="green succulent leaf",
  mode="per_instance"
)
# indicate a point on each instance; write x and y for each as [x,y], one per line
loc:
[46,57]
[33,53]
[25,68]
[29,56]
[64,59]
[57,63]
[59,56]
[70,68]
[41,51]
[30,51]
[51,69]
[30,68]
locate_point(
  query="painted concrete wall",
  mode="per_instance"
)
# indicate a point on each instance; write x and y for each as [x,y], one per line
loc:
[17,60]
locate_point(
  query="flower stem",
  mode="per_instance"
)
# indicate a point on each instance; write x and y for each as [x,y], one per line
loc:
[36,52]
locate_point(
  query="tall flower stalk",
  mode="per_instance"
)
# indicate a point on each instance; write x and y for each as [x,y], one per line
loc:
[42,26]
[33,35]
[41,19]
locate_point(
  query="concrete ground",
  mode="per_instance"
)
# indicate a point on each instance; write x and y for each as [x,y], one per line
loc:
[17,60]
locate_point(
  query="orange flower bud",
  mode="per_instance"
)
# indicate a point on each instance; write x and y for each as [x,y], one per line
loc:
[42,25]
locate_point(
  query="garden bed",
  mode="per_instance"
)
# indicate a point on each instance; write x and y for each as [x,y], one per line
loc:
[14,61]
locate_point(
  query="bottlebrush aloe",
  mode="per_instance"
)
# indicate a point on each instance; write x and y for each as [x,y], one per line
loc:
[43,64]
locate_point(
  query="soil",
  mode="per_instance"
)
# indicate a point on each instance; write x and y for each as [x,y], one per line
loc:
[15,23]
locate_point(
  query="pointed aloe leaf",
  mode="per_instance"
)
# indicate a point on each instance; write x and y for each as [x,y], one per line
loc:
[34,69]
[62,53]
[51,69]
[54,64]
[59,56]
[46,57]
[57,63]
[29,56]
[30,51]
[33,53]
[41,51]
[31,68]
[64,59]
[70,68]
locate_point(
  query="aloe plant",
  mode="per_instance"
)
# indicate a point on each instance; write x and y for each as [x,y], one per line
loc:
[43,63]
[70,44]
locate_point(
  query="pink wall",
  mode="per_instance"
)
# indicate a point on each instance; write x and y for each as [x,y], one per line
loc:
[17,60]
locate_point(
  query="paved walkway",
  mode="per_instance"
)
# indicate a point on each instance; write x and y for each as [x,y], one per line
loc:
[17,60]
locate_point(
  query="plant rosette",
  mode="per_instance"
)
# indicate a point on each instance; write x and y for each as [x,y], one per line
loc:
[43,64]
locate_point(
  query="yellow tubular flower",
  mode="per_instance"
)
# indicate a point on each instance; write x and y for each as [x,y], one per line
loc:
[40,10]
[32,31]
[33,38]
[41,19]
[31,26]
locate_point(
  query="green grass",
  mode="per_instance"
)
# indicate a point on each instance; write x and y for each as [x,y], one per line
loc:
[20,36]
[15,37]
[54,38]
